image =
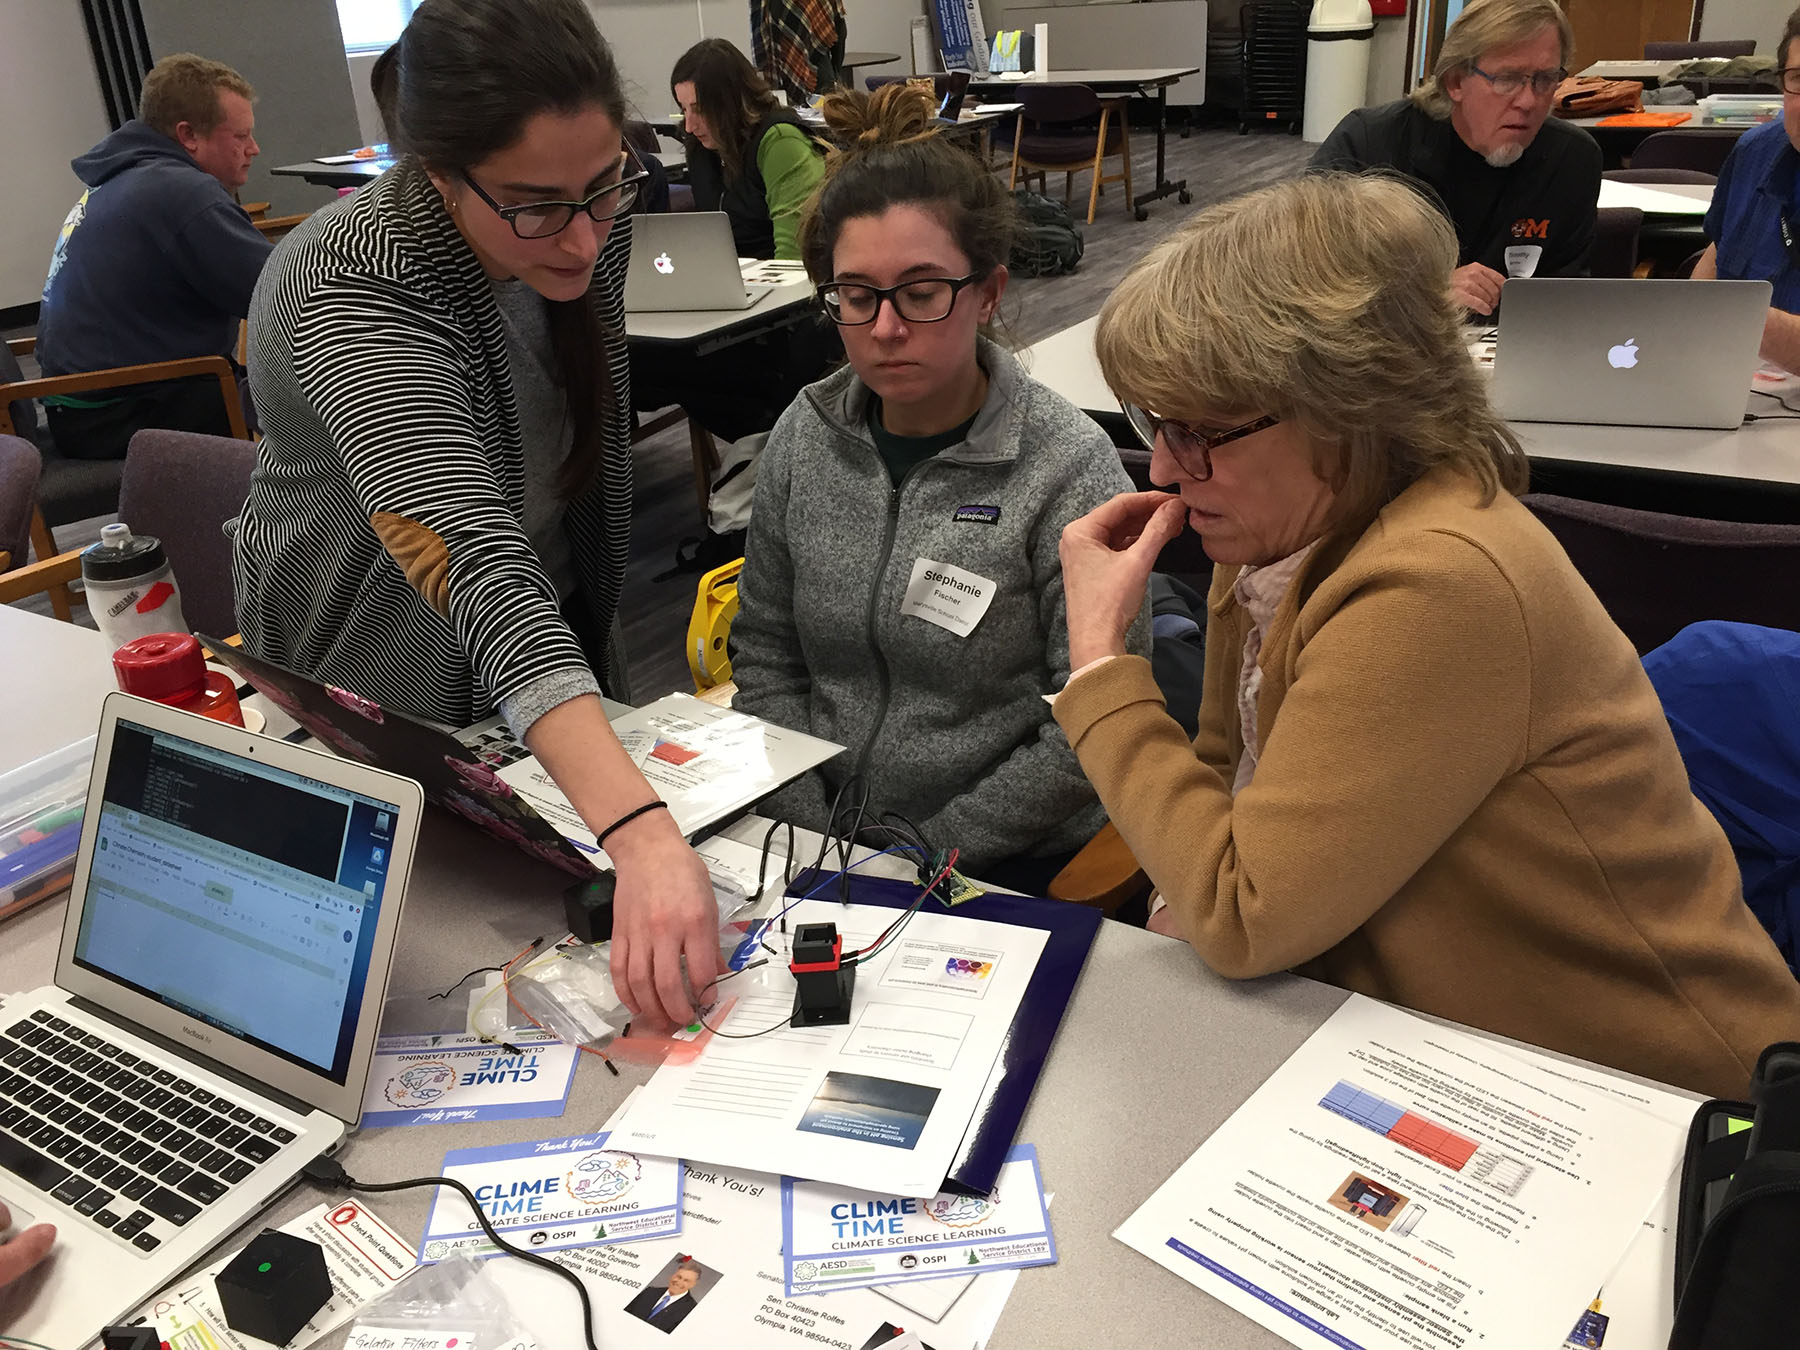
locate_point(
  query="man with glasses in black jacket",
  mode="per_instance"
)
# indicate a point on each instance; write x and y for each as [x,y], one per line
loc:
[1519,187]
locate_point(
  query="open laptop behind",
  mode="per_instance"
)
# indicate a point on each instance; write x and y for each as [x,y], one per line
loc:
[221,975]
[686,260]
[1628,352]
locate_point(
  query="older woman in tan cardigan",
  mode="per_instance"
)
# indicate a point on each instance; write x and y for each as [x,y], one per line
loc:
[1429,768]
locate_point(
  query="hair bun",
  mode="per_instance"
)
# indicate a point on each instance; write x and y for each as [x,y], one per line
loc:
[894,114]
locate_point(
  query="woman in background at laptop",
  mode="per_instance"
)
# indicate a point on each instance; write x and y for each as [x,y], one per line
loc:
[901,591]
[751,158]
[1430,767]
[440,513]
[747,155]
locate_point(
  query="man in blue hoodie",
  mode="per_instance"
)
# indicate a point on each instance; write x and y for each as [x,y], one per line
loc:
[157,260]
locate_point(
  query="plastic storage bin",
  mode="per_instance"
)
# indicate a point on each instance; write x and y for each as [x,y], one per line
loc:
[41,805]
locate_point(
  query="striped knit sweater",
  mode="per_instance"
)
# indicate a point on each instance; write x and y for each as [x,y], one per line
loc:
[379,368]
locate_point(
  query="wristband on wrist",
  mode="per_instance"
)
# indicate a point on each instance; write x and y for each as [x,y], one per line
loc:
[628,817]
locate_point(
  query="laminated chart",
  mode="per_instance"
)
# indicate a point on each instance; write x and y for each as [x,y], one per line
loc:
[1426,1137]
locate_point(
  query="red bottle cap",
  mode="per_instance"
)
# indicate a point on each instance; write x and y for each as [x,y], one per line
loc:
[166,667]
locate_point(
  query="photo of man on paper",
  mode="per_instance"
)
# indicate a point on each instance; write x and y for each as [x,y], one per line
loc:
[667,1300]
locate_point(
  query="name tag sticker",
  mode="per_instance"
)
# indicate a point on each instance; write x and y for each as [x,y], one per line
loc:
[951,597]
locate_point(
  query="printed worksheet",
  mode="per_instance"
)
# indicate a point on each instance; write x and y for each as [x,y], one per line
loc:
[1399,1185]
[706,762]
[720,1284]
[880,1103]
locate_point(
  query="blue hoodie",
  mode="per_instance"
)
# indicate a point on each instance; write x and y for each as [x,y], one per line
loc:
[1732,695]
[156,262]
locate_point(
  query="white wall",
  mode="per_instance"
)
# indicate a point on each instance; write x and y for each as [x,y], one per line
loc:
[1387,61]
[51,106]
[1760,19]
[368,116]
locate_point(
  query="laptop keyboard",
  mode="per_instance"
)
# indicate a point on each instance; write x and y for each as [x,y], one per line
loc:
[128,1145]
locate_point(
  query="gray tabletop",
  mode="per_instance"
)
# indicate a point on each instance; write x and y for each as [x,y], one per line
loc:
[1766,451]
[1155,1052]
[1100,81]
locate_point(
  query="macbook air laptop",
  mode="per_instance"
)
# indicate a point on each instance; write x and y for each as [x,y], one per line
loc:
[686,260]
[221,974]
[1628,352]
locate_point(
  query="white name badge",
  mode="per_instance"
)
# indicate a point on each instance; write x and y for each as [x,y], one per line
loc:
[1522,259]
[951,597]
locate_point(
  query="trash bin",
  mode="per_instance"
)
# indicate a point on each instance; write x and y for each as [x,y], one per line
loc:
[1337,63]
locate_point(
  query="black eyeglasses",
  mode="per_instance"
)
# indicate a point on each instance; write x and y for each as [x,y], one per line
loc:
[540,220]
[1509,82]
[1191,448]
[922,300]
[1789,79]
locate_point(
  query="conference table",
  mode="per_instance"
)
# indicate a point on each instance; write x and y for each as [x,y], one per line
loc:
[1749,473]
[1617,142]
[1147,83]
[1154,1053]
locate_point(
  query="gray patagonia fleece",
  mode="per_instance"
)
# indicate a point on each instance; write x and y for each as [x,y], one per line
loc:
[949,729]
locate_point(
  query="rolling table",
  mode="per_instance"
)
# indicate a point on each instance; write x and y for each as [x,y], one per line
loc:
[1145,83]
[1617,143]
[472,899]
[854,61]
[351,175]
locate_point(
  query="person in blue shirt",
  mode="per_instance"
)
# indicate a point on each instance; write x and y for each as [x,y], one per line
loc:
[156,261]
[1754,222]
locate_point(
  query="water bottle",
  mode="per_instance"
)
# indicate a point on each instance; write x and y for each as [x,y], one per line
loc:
[131,589]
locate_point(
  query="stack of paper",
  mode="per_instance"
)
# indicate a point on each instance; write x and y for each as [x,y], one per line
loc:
[881,1103]
[1398,1185]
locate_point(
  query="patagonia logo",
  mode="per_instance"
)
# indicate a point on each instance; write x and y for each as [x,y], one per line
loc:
[977,515]
[1531,229]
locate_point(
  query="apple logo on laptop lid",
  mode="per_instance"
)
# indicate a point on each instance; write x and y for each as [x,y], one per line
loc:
[1624,356]
[663,263]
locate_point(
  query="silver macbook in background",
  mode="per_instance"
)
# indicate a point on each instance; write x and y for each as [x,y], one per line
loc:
[1628,351]
[223,965]
[686,260]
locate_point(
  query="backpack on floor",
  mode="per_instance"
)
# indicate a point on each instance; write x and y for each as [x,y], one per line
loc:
[1049,242]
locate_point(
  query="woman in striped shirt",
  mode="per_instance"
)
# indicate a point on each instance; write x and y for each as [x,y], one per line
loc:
[440,513]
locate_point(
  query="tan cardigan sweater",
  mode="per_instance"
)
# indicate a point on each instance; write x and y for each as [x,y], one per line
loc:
[1468,802]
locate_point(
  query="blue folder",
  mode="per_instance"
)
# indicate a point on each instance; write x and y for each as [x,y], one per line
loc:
[1070,933]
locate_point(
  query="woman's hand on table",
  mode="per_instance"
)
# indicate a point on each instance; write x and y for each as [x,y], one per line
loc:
[663,911]
[1107,556]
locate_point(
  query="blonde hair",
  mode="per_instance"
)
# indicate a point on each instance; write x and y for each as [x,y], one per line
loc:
[185,88]
[1323,301]
[1481,27]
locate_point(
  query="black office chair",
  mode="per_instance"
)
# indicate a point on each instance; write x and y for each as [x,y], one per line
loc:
[1615,249]
[1703,150]
[1660,176]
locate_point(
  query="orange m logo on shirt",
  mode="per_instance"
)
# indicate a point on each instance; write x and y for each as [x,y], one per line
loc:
[1531,229]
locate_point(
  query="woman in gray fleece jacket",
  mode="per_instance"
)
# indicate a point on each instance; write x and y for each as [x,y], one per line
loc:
[901,591]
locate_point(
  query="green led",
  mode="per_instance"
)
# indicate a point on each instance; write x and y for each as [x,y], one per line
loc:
[263,1269]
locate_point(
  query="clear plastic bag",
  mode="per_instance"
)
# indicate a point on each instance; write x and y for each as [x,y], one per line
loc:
[452,1305]
[569,990]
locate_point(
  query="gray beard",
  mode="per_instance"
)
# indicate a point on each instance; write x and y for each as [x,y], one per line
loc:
[1505,157]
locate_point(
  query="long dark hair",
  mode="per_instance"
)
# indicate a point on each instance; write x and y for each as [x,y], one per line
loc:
[731,95]
[892,155]
[460,85]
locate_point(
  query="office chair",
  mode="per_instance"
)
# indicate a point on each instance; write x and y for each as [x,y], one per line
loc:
[1704,150]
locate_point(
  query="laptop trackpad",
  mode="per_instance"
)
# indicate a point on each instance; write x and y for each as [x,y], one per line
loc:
[22,1218]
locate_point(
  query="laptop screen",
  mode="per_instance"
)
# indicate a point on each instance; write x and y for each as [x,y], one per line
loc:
[237,893]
